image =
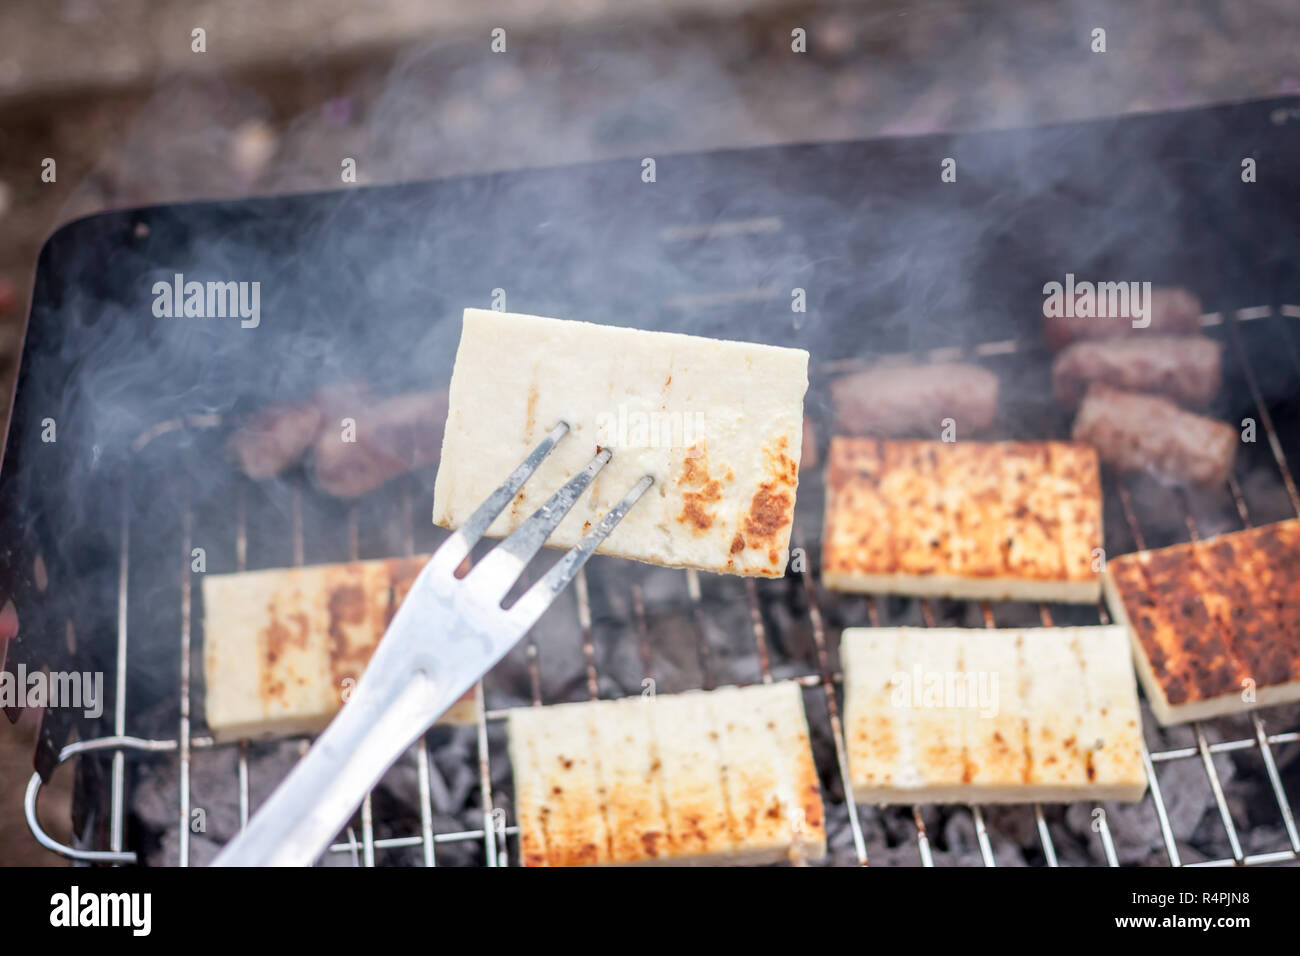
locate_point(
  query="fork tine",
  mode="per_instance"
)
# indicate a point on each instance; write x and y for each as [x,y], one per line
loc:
[452,551]
[503,564]
[538,598]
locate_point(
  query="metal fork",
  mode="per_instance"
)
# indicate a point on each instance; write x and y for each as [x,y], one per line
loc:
[446,635]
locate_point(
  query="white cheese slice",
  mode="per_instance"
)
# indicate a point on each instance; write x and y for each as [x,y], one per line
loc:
[724,776]
[1054,705]
[1007,715]
[718,425]
[283,647]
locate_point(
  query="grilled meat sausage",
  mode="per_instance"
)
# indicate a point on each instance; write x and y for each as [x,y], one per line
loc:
[1184,368]
[890,401]
[275,437]
[384,440]
[1148,433]
[1172,312]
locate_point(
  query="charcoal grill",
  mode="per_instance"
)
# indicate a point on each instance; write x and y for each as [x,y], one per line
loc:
[369,283]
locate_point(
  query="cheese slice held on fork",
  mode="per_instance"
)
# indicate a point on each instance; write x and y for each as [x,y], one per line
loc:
[717,424]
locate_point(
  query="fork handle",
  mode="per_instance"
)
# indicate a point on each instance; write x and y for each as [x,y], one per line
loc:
[311,805]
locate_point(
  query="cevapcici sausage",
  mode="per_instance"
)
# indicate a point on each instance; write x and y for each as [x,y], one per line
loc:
[1171,311]
[1185,368]
[275,437]
[1147,433]
[894,400]
[385,439]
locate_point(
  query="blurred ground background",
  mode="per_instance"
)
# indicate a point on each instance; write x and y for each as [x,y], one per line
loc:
[113,91]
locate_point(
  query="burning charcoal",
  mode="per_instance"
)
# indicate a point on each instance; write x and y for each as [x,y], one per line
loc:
[896,400]
[1183,368]
[1135,829]
[439,795]
[361,448]
[1147,433]
[963,843]
[155,800]
[904,854]
[464,784]
[203,850]
[1170,312]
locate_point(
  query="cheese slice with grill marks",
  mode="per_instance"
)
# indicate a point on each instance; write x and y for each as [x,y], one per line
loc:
[718,425]
[705,777]
[632,780]
[1106,730]
[1054,704]
[1214,624]
[571,809]
[997,742]
[1076,485]
[282,647]
[983,520]
[968,715]
[937,731]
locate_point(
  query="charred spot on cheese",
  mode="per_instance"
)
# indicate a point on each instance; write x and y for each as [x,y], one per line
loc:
[276,639]
[771,510]
[695,466]
[347,609]
[402,573]
[701,491]
[530,421]
[279,636]
[768,512]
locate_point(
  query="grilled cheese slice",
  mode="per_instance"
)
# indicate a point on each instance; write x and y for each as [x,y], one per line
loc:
[283,647]
[1108,722]
[718,426]
[704,777]
[967,715]
[1055,700]
[572,807]
[981,520]
[632,780]
[1214,624]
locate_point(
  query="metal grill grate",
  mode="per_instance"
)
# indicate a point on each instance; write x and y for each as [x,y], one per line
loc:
[494,832]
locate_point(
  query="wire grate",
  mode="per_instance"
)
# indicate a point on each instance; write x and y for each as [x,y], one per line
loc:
[359,842]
